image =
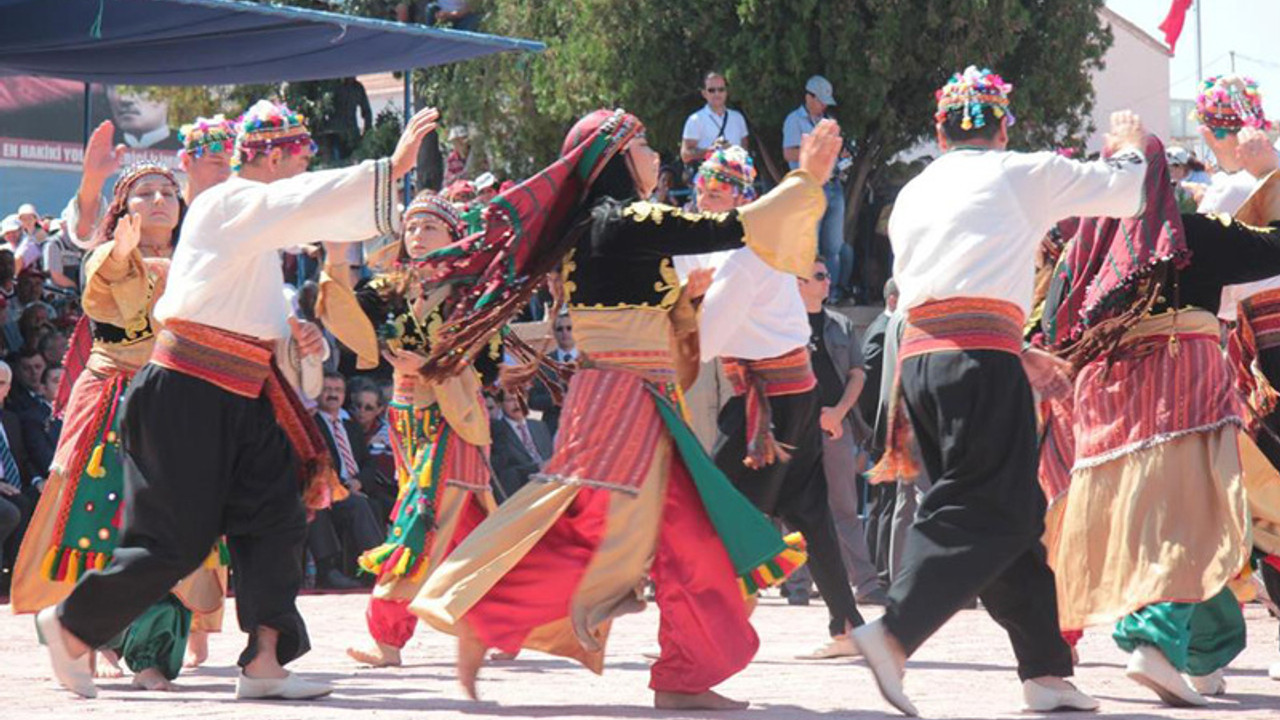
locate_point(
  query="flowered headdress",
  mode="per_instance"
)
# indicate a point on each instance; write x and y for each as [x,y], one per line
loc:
[970,93]
[525,237]
[730,166]
[215,135]
[1227,103]
[268,125]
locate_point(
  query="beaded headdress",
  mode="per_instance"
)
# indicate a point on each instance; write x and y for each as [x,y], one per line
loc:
[268,125]
[428,202]
[119,205]
[1227,103]
[971,92]
[731,166]
[136,171]
[215,135]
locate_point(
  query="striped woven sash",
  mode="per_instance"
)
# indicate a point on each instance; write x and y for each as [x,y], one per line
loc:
[962,324]
[245,366]
[1257,331]
[950,325]
[759,380]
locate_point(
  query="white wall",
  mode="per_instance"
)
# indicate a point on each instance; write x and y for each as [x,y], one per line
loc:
[1136,78]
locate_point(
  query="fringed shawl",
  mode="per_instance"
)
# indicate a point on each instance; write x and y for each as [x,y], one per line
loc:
[1114,270]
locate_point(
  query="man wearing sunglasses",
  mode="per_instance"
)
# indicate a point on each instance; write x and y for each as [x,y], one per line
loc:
[714,122]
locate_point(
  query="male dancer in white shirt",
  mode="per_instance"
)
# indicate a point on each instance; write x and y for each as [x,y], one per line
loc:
[215,440]
[770,441]
[964,234]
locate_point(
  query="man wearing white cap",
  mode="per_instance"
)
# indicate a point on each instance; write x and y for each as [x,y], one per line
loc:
[818,96]
[486,187]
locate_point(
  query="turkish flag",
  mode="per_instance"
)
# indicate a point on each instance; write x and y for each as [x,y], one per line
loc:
[1172,25]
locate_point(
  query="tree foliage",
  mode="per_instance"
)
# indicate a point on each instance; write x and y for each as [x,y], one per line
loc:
[885,58]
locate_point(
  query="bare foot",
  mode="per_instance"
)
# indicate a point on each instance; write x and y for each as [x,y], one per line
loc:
[197,649]
[107,665]
[470,657]
[709,700]
[381,655]
[152,679]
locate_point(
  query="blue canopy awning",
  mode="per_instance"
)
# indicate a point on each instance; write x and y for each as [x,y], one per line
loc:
[218,42]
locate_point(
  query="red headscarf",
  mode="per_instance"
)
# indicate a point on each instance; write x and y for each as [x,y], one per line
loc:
[524,238]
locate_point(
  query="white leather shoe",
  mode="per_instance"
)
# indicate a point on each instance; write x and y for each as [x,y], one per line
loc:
[873,642]
[72,673]
[1040,697]
[290,687]
[1213,684]
[841,646]
[1148,666]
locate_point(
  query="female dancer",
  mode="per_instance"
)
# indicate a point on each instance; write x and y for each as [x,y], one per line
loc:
[440,428]
[77,523]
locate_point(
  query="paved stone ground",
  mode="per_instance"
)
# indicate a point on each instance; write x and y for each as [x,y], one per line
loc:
[966,671]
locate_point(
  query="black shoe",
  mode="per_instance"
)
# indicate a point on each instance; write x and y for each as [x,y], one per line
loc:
[335,580]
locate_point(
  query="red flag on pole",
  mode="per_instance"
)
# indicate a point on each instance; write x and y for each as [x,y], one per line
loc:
[1172,25]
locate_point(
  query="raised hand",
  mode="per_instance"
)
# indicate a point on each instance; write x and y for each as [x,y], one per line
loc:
[1126,131]
[101,160]
[1255,152]
[406,152]
[820,149]
[127,236]
[1225,149]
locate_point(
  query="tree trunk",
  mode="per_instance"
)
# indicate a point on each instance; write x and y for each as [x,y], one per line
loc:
[770,165]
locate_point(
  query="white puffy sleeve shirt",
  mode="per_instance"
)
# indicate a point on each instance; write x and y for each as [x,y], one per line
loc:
[226,269]
[970,224]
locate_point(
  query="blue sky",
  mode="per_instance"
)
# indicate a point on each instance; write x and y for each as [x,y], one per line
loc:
[1246,26]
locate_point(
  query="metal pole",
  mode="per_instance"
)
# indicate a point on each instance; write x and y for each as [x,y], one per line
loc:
[1233,62]
[88,111]
[408,113]
[1199,50]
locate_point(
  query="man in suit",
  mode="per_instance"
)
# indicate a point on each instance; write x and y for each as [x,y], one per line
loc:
[566,352]
[19,486]
[40,429]
[349,527]
[520,446]
[368,408]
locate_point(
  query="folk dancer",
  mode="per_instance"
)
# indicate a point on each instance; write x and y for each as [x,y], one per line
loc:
[216,442]
[629,491]
[965,233]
